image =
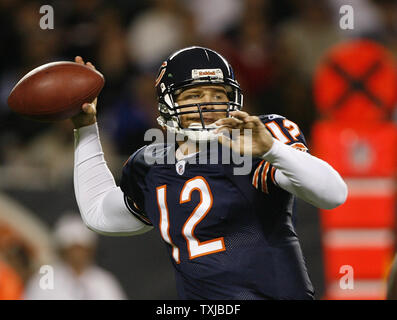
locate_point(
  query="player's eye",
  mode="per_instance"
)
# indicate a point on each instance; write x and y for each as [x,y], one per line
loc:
[220,97]
[192,96]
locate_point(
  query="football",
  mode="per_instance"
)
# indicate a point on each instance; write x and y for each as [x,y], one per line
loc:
[55,91]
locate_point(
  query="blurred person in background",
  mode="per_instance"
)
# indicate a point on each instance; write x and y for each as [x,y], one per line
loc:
[14,265]
[155,32]
[75,276]
[253,60]
[11,284]
[16,251]
[113,44]
[49,153]
[79,24]
[387,34]
[131,114]
[299,43]
[302,40]
[367,18]
[46,158]
[212,19]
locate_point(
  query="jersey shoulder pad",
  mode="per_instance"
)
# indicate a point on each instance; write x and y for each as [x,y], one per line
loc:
[142,159]
[157,153]
[135,172]
[285,130]
[269,117]
[133,182]
[136,161]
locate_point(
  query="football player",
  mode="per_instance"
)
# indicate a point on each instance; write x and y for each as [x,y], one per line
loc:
[229,236]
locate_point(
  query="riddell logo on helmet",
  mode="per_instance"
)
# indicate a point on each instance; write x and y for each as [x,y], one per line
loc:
[199,73]
[206,73]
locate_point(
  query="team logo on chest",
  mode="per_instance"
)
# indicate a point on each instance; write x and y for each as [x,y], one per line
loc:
[180,167]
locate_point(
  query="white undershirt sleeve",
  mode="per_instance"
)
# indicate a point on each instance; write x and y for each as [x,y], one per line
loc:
[307,177]
[100,201]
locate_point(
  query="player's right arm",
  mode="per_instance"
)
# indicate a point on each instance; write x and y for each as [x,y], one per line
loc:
[100,200]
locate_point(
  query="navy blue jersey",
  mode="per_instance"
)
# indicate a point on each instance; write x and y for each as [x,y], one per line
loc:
[228,236]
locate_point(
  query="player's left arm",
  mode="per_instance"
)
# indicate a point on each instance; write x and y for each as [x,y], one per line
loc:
[306,176]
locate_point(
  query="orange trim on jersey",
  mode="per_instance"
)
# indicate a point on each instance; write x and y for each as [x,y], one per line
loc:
[190,194]
[299,146]
[274,135]
[174,247]
[209,252]
[256,173]
[264,177]
[125,162]
[272,172]
[198,221]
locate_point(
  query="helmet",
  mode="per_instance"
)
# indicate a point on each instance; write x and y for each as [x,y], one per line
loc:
[190,67]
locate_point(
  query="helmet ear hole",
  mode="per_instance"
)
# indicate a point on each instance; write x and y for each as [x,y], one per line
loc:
[164,111]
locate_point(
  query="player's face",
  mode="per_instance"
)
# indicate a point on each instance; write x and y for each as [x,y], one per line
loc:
[202,94]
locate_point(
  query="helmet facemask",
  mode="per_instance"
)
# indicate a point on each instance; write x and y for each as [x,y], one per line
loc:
[171,112]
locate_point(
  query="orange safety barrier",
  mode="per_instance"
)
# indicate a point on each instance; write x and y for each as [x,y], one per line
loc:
[365,211]
[357,149]
[355,91]
[356,81]
[367,262]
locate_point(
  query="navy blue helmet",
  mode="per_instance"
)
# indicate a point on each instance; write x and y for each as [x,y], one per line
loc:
[190,67]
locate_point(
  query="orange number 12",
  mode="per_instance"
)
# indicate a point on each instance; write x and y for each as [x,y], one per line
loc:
[194,246]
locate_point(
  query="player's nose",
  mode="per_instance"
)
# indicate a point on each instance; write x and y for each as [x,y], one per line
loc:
[207,99]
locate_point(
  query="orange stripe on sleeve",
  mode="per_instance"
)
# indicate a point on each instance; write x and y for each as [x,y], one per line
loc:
[272,172]
[256,173]
[299,146]
[264,177]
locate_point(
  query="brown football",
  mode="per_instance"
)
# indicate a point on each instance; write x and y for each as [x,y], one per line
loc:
[55,91]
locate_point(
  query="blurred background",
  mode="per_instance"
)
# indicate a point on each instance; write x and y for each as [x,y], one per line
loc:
[276,48]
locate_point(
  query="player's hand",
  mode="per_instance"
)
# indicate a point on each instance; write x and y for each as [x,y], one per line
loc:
[255,142]
[88,115]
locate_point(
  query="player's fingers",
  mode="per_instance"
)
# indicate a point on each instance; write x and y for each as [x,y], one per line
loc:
[89,64]
[239,115]
[224,129]
[224,139]
[89,108]
[234,122]
[79,60]
[252,122]
[252,119]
